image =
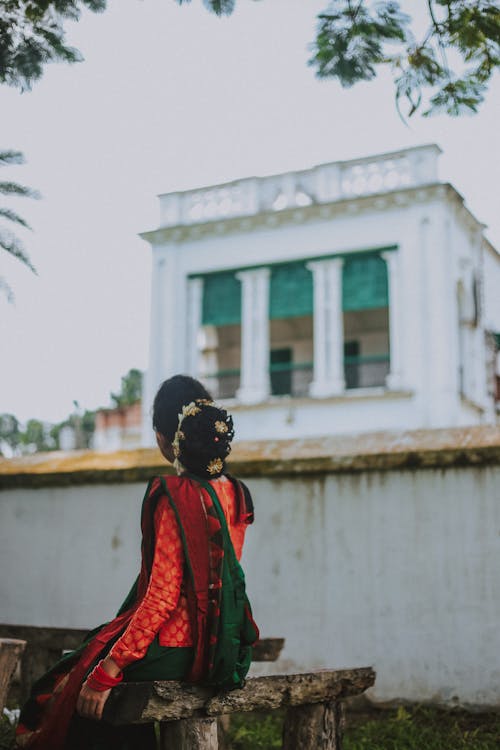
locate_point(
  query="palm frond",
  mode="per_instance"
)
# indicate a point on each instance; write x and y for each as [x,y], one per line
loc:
[6,213]
[11,157]
[13,188]
[6,289]
[13,245]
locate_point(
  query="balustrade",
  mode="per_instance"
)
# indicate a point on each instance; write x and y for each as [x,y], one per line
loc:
[321,184]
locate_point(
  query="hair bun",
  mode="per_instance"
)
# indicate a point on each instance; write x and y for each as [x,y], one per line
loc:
[203,439]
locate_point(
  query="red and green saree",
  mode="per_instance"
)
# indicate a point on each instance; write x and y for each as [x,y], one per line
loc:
[214,649]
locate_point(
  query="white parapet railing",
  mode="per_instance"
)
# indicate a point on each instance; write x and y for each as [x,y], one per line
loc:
[325,183]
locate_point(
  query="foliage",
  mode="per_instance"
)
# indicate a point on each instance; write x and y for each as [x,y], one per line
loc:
[256,731]
[6,734]
[32,34]
[131,389]
[8,240]
[404,729]
[426,729]
[10,432]
[82,426]
[37,436]
[354,37]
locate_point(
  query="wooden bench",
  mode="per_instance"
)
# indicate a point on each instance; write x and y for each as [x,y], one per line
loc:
[188,714]
[10,653]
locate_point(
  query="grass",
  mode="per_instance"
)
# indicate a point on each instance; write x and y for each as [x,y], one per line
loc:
[425,729]
[418,728]
[6,734]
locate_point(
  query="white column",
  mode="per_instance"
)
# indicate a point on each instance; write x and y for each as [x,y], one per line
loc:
[255,381]
[394,378]
[193,319]
[154,374]
[328,328]
[439,397]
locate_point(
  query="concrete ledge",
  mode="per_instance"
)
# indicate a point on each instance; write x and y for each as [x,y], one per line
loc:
[375,451]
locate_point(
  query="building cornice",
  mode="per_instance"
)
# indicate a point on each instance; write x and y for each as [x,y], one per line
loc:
[402,198]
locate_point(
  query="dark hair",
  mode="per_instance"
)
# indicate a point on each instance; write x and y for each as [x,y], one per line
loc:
[172,395]
[204,439]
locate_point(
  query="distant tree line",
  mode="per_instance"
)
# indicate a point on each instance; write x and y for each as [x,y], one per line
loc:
[37,436]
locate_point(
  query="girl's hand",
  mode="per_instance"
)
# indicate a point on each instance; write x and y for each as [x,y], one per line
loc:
[90,703]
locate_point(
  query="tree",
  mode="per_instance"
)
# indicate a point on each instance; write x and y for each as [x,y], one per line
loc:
[355,36]
[32,34]
[10,433]
[131,389]
[36,437]
[8,240]
[81,425]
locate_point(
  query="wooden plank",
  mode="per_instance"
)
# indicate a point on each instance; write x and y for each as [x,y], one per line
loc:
[170,701]
[44,647]
[189,734]
[10,652]
[317,726]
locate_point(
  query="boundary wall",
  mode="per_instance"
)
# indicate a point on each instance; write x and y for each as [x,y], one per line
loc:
[380,549]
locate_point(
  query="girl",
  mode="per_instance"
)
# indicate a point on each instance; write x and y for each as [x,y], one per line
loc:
[187,616]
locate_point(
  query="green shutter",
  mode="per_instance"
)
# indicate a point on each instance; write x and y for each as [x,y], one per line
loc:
[364,283]
[291,292]
[221,299]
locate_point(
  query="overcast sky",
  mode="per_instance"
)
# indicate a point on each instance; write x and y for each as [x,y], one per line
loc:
[172,98]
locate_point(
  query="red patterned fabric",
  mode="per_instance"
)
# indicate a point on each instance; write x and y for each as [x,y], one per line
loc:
[164,608]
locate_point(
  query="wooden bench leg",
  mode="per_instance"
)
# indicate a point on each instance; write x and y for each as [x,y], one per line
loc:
[189,734]
[317,726]
[11,651]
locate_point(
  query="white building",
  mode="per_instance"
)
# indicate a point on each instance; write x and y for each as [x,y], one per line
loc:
[353,296]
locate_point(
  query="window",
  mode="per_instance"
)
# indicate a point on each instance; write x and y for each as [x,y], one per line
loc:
[291,329]
[365,303]
[281,371]
[220,339]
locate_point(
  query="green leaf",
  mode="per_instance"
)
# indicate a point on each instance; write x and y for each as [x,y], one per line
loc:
[6,213]
[457,97]
[6,289]
[12,188]
[15,247]
[351,41]
[11,157]
[220,7]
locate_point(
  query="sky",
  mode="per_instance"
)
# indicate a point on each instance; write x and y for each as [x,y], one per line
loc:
[171,98]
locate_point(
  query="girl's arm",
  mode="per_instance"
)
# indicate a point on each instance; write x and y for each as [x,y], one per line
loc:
[158,603]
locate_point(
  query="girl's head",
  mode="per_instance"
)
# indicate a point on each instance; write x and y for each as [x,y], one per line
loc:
[192,432]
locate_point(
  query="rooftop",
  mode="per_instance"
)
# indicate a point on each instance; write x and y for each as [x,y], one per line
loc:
[325,183]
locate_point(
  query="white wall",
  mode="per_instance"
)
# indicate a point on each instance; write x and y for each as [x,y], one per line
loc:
[395,569]
[491,290]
